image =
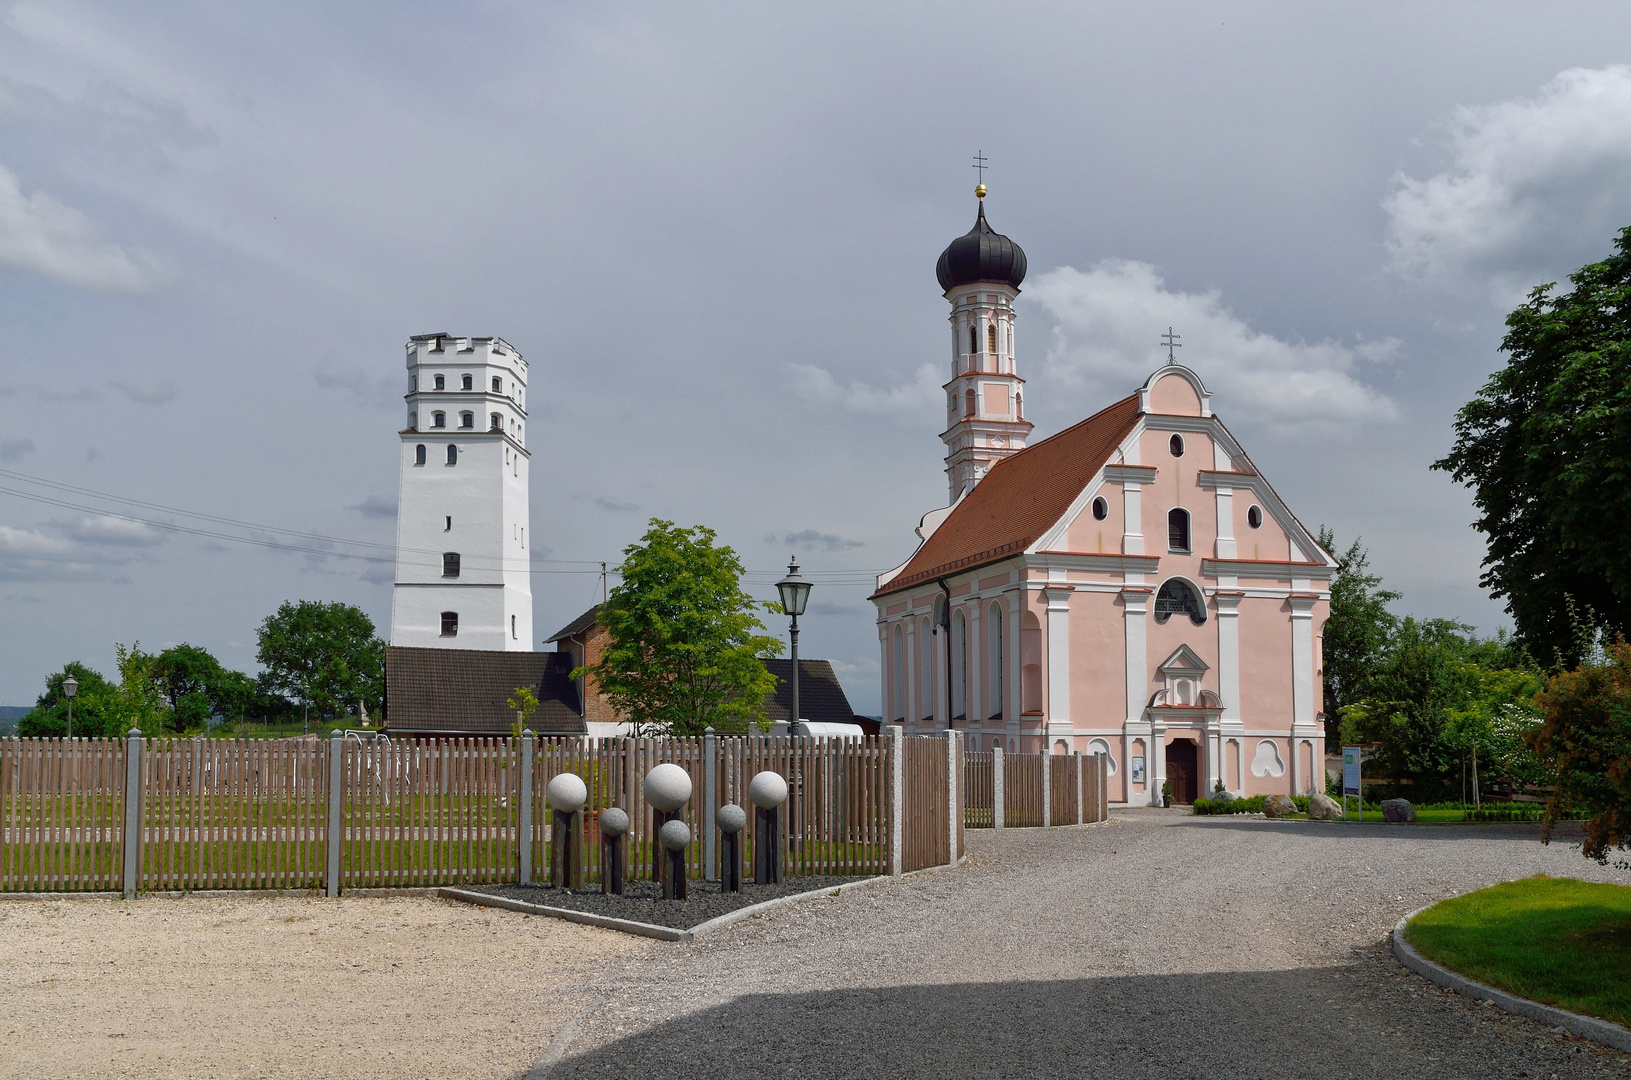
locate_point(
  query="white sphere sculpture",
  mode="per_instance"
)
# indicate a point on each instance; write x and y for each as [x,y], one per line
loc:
[668,787]
[614,822]
[567,793]
[731,818]
[767,789]
[674,835]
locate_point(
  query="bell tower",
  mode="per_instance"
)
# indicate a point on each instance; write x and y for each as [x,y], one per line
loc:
[980,273]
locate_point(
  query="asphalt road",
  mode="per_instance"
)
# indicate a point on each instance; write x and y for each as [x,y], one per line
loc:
[1158,945]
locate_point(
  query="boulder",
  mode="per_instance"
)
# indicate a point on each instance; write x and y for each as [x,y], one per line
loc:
[1222,796]
[1398,810]
[1279,806]
[1322,807]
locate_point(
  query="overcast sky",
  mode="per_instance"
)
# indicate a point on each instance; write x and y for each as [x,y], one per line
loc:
[712,230]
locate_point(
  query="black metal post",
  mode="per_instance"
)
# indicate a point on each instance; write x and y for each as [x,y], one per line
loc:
[793,721]
[674,879]
[767,858]
[566,851]
[611,865]
[659,864]
[730,872]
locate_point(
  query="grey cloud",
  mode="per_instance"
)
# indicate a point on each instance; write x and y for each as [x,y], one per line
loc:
[41,236]
[157,394]
[814,540]
[616,506]
[375,506]
[110,532]
[366,386]
[53,393]
[37,555]
[15,449]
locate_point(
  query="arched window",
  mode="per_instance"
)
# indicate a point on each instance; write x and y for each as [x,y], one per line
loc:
[1101,509]
[467,383]
[441,383]
[973,339]
[1178,529]
[1254,517]
[897,677]
[1178,597]
[925,679]
[993,651]
[498,422]
[1176,445]
[438,419]
[419,454]
[513,636]
[991,337]
[959,664]
[450,624]
[498,385]
[467,419]
[450,564]
[452,454]
[970,406]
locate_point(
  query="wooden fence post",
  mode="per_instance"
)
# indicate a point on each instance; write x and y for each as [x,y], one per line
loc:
[897,797]
[996,785]
[954,777]
[710,788]
[335,838]
[1047,788]
[1077,754]
[133,812]
[523,831]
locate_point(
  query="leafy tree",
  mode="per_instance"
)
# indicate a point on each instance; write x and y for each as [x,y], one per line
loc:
[137,701]
[188,676]
[325,656]
[234,695]
[684,640]
[1586,739]
[93,707]
[1357,633]
[1546,448]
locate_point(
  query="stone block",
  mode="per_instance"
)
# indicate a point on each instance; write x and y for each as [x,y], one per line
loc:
[1322,807]
[1398,811]
[1279,806]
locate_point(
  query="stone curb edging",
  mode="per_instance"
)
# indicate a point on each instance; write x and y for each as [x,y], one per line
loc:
[1588,1027]
[669,933]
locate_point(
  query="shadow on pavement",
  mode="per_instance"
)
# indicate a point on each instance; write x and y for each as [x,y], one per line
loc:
[1367,1019]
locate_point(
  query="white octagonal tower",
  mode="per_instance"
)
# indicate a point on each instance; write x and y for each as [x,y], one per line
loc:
[463,574]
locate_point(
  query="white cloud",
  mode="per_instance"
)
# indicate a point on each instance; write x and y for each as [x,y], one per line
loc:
[923,393]
[1536,186]
[367,386]
[111,532]
[40,235]
[86,551]
[1104,340]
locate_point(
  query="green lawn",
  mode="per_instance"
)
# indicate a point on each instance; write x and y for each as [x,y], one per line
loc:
[1556,940]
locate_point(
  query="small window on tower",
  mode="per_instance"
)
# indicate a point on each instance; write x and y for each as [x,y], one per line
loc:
[1176,445]
[991,338]
[450,564]
[413,421]
[512,628]
[1101,509]
[467,419]
[467,383]
[450,624]
[1019,406]
[438,419]
[498,385]
[452,454]
[498,422]
[1178,530]
[419,454]
[441,383]
[973,339]
[447,525]
[413,383]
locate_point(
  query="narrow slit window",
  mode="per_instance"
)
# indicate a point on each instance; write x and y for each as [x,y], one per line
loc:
[973,339]
[991,338]
[419,454]
[512,628]
[969,403]
[413,421]
[447,523]
[452,454]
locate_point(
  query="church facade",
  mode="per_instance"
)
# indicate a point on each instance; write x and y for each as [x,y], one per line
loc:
[1131,586]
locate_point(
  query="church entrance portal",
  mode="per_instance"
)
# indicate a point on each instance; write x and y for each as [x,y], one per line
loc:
[1183,769]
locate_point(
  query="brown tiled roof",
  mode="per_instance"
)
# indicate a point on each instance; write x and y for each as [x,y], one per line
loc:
[577,625]
[1020,498]
[462,691]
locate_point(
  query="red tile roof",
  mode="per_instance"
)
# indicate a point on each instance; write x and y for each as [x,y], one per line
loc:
[1020,498]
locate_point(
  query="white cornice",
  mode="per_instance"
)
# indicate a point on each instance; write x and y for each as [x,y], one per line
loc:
[1253,568]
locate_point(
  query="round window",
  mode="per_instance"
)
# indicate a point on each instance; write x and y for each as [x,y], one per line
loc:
[1177,445]
[1100,509]
[1254,517]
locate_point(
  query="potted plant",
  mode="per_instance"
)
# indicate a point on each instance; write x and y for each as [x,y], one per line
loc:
[1166,793]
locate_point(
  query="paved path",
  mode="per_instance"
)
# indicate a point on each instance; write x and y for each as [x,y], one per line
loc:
[1159,945]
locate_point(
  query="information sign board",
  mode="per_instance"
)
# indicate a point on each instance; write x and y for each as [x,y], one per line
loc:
[1350,770]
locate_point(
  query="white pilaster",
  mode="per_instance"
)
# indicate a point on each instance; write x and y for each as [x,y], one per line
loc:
[1132,539]
[1226,523]
[1057,595]
[1228,607]
[974,665]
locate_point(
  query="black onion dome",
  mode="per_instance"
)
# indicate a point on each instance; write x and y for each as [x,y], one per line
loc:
[981,255]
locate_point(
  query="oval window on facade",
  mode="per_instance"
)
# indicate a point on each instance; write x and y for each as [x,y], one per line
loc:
[1254,517]
[1101,509]
[1176,445]
[1179,597]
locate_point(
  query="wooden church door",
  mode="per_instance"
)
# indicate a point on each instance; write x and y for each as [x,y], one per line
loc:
[1183,769]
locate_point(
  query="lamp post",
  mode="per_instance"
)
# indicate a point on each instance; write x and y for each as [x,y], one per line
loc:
[70,687]
[795,593]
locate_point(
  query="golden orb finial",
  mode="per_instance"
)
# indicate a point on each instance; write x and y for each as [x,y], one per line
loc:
[979,191]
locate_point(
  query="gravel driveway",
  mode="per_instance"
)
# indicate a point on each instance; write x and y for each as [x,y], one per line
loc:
[1159,945]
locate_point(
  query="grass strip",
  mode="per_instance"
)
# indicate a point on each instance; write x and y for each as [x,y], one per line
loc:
[1554,940]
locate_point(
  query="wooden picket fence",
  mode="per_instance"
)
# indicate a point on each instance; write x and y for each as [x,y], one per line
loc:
[1027,791]
[344,813]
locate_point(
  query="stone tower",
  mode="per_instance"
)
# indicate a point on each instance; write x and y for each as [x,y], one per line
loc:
[463,574]
[980,273]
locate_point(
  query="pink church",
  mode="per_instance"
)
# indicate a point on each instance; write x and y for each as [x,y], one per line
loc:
[1131,586]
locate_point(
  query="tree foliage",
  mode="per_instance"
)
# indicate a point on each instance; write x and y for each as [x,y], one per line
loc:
[1357,633]
[325,655]
[1546,448]
[93,706]
[1585,738]
[684,639]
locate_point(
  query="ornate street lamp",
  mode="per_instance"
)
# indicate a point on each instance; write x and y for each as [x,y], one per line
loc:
[795,594]
[70,687]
